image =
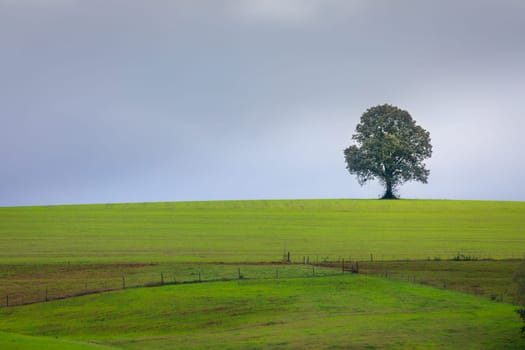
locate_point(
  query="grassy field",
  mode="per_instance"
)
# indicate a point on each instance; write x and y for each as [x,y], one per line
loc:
[337,312]
[63,251]
[30,283]
[491,279]
[240,231]
[11,341]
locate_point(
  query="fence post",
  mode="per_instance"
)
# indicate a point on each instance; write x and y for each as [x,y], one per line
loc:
[239,273]
[200,276]
[7,300]
[343,266]
[313,271]
[371,257]
[123,282]
[289,257]
[46,295]
[162,278]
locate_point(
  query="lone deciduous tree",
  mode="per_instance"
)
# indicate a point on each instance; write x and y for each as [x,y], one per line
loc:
[390,147]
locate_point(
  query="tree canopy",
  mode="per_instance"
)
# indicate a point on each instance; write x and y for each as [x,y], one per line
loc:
[390,147]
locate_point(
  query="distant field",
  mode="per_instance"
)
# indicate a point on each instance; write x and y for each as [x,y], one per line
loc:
[338,312]
[235,231]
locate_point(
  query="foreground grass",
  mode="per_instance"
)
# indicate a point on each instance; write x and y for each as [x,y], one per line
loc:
[235,231]
[309,313]
[21,342]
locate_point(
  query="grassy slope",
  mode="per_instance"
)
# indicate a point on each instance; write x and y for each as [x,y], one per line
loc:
[328,312]
[317,313]
[10,341]
[492,279]
[259,230]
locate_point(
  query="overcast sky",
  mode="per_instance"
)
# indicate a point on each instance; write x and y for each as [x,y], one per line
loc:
[164,100]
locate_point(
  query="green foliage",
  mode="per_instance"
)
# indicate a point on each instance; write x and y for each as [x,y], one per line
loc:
[521,312]
[463,257]
[390,147]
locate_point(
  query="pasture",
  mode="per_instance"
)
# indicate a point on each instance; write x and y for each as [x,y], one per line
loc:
[255,231]
[252,298]
[337,312]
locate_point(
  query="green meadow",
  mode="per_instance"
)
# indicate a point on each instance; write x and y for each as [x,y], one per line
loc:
[23,342]
[200,275]
[233,231]
[337,312]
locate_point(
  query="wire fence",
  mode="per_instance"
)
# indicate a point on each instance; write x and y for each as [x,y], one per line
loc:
[28,284]
[34,290]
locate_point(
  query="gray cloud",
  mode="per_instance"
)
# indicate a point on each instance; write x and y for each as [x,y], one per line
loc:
[106,101]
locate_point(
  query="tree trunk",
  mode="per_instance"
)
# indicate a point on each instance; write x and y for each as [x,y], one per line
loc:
[389,194]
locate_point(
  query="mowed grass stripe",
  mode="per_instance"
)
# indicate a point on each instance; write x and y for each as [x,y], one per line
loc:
[261,230]
[310,313]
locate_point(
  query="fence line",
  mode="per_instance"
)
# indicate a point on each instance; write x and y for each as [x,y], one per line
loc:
[258,272]
[314,266]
